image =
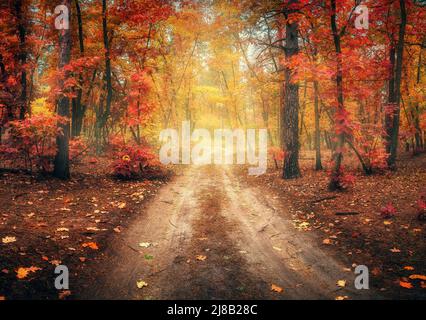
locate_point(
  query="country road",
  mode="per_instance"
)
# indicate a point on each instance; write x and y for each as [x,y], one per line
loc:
[212,237]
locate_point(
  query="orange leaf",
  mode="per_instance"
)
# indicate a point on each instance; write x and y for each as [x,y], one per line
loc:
[417,276]
[22,273]
[406,285]
[276,288]
[91,245]
[410,268]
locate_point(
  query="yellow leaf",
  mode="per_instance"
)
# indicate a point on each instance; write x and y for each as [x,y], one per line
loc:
[276,288]
[201,258]
[341,283]
[387,223]
[144,244]
[8,239]
[22,273]
[140,284]
[121,205]
[341,298]
[405,284]
[417,276]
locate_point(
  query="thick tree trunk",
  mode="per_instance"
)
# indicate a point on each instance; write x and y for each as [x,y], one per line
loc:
[290,121]
[78,109]
[62,167]
[393,129]
[318,164]
[335,179]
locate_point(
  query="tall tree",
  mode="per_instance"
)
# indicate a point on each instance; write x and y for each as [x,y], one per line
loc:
[392,117]
[62,166]
[290,113]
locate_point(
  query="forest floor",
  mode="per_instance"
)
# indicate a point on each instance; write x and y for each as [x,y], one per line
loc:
[211,233]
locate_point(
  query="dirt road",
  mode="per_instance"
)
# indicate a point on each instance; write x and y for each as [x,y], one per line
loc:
[245,241]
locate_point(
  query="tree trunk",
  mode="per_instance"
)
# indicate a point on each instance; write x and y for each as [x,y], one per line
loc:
[78,110]
[22,58]
[290,121]
[103,116]
[393,128]
[62,167]
[335,179]
[318,164]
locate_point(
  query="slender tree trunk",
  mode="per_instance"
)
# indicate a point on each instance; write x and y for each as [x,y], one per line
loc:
[335,179]
[22,57]
[62,167]
[393,130]
[78,109]
[318,164]
[290,121]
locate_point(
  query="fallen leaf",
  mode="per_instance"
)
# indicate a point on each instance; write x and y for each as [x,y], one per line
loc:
[63,294]
[91,245]
[201,258]
[144,244]
[395,250]
[62,230]
[121,205]
[117,229]
[341,298]
[44,258]
[387,223]
[22,273]
[82,259]
[417,276]
[405,284]
[341,283]
[409,268]
[55,262]
[148,257]
[140,284]
[276,288]
[327,241]
[8,239]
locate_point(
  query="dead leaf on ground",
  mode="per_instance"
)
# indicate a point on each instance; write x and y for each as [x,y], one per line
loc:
[91,245]
[63,294]
[276,288]
[395,250]
[8,239]
[417,276]
[327,241]
[201,258]
[405,284]
[22,273]
[140,284]
[409,268]
[144,244]
[341,283]
[341,298]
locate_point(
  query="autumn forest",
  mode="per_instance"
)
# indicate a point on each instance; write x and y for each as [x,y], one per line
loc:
[212,149]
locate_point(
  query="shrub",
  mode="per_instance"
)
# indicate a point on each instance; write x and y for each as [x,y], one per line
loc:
[32,142]
[133,162]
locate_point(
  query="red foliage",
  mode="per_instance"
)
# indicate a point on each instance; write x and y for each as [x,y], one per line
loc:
[133,161]
[277,153]
[32,142]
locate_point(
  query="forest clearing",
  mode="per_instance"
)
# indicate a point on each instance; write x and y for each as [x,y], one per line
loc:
[212,150]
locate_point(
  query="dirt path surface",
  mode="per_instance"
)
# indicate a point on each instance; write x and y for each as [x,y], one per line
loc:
[247,238]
